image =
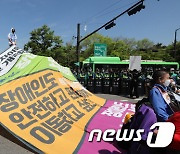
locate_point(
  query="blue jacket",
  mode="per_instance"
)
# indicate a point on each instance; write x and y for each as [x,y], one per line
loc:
[161,108]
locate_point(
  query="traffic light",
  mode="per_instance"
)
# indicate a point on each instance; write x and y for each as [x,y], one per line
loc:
[110,25]
[136,9]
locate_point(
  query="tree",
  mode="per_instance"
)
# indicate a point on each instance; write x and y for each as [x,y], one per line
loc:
[170,50]
[69,55]
[43,41]
[115,47]
[131,42]
[144,44]
[120,49]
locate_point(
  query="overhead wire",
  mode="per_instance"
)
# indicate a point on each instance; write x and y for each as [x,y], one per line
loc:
[117,9]
[97,14]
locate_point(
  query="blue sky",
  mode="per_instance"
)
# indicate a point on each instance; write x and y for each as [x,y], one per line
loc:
[156,22]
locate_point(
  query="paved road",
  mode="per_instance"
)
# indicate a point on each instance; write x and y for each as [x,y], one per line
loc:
[117,97]
[10,145]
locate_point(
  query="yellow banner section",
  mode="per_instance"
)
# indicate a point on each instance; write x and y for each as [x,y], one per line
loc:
[47,110]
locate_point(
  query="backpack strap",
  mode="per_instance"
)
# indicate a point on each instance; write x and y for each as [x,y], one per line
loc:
[165,95]
[141,102]
[166,98]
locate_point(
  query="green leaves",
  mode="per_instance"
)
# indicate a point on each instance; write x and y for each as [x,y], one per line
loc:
[125,47]
[42,40]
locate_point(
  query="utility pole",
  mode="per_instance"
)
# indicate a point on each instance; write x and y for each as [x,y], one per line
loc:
[175,40]
[78,41]
[132,10]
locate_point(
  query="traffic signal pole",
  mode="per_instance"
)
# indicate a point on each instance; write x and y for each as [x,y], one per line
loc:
[78,41]
[106,24]
[175,40]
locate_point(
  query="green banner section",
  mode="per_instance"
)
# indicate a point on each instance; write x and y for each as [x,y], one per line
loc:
[29,64]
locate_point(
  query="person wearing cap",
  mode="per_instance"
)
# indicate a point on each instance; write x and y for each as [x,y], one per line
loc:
[12,37]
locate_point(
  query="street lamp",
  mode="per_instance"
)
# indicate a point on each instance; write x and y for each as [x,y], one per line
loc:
[175,42]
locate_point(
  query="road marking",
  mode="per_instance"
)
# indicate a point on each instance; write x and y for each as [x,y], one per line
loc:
[137,99]
[124,100]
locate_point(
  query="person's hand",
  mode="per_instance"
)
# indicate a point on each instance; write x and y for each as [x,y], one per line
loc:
[178,91]
[173,83]
[155,131]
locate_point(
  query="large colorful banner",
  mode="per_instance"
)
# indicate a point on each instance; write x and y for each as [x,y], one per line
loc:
[8,59]
[46,113]
[44,106]
[29,63]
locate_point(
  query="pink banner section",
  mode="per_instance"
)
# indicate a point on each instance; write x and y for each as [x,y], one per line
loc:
[110,116]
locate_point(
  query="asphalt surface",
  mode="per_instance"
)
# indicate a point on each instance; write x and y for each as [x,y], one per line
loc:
[10,145]
[119,98]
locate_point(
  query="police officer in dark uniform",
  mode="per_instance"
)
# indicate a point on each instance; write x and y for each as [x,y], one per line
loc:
[111,77]
[115,82]
[82,77]
[106,82]
[134,83]
[98,81]
[90,80]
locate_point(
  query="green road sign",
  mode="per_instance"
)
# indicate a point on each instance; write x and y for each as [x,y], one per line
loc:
[100,49]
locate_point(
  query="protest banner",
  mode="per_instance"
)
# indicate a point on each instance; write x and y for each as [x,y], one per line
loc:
[135,63]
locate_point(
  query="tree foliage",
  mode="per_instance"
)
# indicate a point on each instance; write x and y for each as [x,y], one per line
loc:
[44,42]
[144,44]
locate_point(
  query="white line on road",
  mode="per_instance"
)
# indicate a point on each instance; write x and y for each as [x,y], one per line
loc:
[137,99]
[124,100]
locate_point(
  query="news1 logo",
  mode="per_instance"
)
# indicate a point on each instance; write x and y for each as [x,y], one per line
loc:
[162,139]
[164,136]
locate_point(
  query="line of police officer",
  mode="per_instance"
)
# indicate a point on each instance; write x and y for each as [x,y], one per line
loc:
[119,81]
